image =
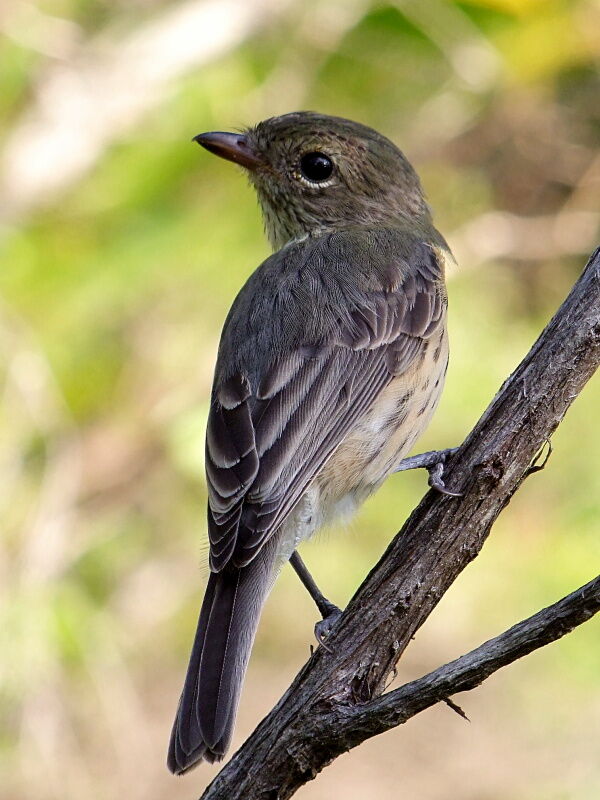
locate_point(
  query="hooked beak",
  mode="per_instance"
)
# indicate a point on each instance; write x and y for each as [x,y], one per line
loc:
[232,146]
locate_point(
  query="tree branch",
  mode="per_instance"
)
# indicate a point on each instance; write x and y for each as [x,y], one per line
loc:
[334,703]
[352,725]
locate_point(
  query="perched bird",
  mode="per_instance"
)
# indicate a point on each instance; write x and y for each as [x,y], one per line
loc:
[331,364]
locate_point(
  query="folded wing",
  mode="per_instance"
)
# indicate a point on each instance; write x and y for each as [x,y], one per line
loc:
[267,441]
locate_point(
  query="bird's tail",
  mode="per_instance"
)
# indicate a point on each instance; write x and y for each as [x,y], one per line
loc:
[228,621]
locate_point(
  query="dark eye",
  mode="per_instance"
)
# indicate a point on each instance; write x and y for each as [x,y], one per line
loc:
[316,167]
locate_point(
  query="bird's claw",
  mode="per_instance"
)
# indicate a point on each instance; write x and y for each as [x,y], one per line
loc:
[433,461]
[436,482]
[324,627]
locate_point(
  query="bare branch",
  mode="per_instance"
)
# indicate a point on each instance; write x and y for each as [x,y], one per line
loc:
[303,733]
[352,725]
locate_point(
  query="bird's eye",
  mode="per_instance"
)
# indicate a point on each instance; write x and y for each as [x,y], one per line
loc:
[316,167]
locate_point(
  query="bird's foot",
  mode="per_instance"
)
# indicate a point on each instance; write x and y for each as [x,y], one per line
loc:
[324,627]
[433,461]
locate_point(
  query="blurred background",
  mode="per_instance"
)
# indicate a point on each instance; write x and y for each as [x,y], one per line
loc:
[122,245]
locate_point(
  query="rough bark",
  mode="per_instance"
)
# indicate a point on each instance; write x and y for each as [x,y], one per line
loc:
[336,700]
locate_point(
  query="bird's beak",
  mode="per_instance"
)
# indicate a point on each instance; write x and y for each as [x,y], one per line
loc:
[232,146]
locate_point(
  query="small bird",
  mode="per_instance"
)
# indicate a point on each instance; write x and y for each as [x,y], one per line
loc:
[331,363]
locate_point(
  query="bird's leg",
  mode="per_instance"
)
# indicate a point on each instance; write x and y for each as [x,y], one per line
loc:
[328,610]
[433,461]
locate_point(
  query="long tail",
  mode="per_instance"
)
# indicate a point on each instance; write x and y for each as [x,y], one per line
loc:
[228,621]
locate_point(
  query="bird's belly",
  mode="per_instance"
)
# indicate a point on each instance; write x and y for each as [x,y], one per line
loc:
[386,433]
[372,449]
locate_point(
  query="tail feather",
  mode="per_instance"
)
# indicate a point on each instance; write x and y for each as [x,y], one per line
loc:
[226,628]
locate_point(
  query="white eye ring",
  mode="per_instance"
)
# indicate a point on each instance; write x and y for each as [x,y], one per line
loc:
[297,175]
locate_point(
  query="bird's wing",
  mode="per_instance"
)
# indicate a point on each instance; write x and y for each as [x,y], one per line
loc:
[267,441]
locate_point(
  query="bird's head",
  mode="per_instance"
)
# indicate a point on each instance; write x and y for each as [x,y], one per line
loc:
[316,173]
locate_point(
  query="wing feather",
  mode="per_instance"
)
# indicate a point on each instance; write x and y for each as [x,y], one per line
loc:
[266,444]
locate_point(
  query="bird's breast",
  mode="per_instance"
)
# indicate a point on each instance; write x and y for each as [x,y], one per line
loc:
[373,448]
[387,432]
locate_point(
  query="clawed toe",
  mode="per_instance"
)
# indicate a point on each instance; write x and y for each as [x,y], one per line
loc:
[324,627]
[436,482]
[433,461]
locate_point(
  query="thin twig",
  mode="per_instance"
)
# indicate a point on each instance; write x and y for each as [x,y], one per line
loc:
[468,671]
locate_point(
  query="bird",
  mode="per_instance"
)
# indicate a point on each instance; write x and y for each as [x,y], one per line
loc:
[331,364]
